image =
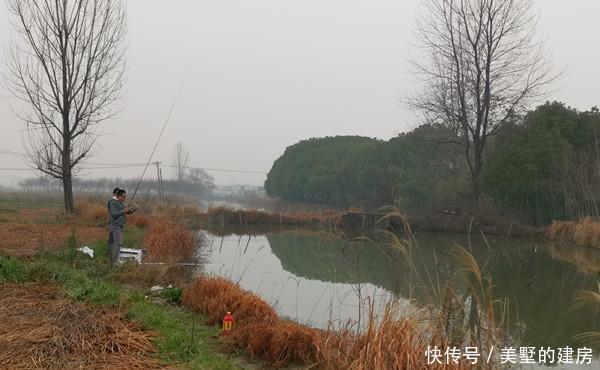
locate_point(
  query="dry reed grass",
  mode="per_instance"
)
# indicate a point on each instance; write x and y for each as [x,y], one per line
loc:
[169,242]
[561,230]
[91,211]
[175,211]
[39,329]
[388,342]
[585,233]
[138,220]
[280,343]
[224,216]
[95,212]
[215,296]
[590,300]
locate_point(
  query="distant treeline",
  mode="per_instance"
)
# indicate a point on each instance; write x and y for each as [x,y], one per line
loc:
[412,169]
[190,185]
[544,166]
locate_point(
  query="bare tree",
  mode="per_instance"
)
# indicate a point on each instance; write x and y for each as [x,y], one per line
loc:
[66,64]
[181,161]
[484,66]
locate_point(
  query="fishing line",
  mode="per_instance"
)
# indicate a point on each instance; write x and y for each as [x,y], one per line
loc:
[158,140]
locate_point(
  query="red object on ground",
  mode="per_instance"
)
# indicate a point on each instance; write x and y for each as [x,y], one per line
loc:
[227,324]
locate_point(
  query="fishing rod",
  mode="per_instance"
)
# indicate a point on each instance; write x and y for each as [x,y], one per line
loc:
[158,140]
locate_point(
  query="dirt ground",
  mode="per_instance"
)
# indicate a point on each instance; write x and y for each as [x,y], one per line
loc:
[41,329]
[24,232]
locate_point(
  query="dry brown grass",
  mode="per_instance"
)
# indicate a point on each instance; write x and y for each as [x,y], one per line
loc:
[90,211]
[169,242]
[280,343]
[95,212]
[585,233]
[388,342]
[25,231]
[177,211]
[25,240]
[561,230]
[224,216]
[32,216]
[138,220]
[215,296]
[39,329]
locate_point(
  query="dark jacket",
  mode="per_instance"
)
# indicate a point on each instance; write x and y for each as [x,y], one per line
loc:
[116,213]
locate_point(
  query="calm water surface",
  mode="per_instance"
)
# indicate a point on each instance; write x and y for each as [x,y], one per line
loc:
[316,280]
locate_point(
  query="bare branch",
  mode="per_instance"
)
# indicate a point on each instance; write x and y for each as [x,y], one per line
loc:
[484,65]
[66,64]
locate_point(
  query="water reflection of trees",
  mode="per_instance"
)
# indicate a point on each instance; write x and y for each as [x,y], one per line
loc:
[535,280]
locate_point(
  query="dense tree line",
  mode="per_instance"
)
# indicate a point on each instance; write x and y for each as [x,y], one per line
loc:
[414,169]
[547,167]
[542,166]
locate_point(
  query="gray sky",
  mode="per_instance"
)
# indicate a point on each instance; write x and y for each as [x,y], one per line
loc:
[260,75]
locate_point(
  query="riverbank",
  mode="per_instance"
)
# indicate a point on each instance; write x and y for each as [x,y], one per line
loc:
[186,335]
[386,341]
[90,284]
[112,321]
[358,222]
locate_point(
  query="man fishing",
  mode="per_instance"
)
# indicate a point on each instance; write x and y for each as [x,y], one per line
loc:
[117,209]
[110,240]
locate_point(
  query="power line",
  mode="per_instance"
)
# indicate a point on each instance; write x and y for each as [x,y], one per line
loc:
[12,153]
[116,167]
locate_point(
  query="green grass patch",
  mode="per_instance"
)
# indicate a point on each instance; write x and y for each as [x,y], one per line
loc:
[11,269]
[181,339]
[14,201]
[172,295]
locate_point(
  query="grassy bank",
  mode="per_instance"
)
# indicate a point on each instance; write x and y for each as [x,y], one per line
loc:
[188,336]
[386,340]
[180,337]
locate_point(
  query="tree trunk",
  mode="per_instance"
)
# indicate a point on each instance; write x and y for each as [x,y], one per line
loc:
[67,174]
[476,176]
[475,180]
[68,193]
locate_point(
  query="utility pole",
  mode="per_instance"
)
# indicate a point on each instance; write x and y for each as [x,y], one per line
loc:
[162,184]
[159,179]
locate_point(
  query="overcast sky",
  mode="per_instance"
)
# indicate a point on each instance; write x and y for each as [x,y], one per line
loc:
[261,75]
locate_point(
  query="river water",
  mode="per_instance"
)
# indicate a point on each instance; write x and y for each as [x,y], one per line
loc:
[316,279]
